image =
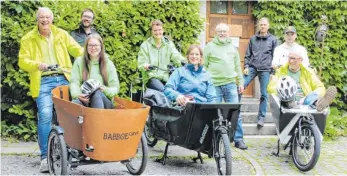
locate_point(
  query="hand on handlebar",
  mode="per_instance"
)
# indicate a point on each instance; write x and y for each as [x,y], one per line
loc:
[147,66]
[43,66]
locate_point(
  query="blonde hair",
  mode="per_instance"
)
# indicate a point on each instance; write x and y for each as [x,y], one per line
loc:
[191,47]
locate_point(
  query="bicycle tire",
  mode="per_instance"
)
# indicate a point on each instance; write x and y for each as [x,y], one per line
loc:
[223,146]
[130,165]
[311,131]
[56,142]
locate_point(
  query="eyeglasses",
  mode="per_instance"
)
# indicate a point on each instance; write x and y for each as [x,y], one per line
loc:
[222,31]
[86,16]
[294,58]
[93,46]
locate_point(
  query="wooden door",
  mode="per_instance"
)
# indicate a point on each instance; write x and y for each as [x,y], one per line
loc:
[232,13]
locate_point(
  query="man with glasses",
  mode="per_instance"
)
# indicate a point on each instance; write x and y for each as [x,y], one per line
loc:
[311,90]
[85,28]
[46,45]
[281,52]
[222,60]
[258,59]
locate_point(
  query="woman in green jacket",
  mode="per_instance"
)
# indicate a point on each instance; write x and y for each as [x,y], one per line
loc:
[94,64]
[157,51]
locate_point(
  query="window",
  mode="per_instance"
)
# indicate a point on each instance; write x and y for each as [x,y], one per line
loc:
[240,7]
[219,7]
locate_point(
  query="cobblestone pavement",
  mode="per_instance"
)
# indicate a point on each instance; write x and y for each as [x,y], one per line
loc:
[257,160]
[332,160]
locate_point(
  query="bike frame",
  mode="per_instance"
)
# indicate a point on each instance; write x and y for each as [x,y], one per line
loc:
[220,125]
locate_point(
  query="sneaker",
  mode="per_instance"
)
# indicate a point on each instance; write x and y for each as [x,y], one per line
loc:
[44,166]
[326,100]
[260,123]
[241,145]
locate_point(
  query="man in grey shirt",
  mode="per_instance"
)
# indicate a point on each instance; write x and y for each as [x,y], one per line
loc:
[85,28]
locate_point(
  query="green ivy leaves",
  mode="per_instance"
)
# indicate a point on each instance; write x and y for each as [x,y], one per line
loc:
[124,25]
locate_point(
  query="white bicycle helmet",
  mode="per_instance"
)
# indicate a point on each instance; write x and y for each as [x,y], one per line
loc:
[287,89]
[90,86]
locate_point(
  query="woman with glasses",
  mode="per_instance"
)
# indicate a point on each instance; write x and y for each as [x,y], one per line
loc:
[95,65]
[191,82]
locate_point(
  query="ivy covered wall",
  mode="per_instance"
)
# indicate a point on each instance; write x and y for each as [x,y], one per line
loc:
[123,25]
[306,17]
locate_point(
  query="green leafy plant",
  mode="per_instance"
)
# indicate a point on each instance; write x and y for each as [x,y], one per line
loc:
[123,26]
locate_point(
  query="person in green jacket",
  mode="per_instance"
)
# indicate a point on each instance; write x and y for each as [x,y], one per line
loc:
[222,60]
[311,90]
[43,46]
[157,51]
[94,64]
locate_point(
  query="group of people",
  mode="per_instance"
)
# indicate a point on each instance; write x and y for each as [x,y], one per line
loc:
[214,74]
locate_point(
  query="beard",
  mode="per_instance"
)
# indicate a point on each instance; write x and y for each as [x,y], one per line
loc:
[85,26]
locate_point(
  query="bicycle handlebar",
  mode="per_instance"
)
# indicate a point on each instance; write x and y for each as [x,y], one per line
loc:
[55,67]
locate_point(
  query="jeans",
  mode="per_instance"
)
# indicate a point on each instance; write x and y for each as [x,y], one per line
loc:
[44,104]
[310,99]
[156,84]
[264,81]
[98,100]
[229,93]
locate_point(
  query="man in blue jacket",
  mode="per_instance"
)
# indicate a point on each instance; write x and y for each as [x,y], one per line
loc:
[258,61]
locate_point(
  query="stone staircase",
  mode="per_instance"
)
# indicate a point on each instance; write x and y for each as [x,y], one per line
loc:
[249,114]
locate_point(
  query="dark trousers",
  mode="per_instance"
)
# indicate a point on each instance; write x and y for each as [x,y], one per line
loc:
[156,84]
[98,100]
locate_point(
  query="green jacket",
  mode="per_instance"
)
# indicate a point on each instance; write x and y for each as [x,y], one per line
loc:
[30,55]
[222,60]
[160,57]
[308,80]
[111,89]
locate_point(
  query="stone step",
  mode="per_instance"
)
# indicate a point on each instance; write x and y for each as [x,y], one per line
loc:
[252,117]
[252,129]
[252,106]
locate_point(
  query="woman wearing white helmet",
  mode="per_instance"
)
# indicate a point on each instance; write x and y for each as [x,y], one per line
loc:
[94,79]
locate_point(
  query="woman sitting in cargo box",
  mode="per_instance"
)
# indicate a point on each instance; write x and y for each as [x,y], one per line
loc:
[191,82]
[97,75]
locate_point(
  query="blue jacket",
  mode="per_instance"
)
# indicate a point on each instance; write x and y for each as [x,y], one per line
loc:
[186,81]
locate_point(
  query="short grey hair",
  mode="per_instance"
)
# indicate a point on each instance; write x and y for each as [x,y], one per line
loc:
[43,9]
[222,26]
[298,52]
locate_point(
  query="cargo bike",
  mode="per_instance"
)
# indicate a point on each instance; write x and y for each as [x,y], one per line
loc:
[202,127]
[82,135]
[299,128]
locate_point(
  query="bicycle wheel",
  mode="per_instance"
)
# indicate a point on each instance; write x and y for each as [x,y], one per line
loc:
[151,141]
[306,148]
[138,164]
[223,155]
[57,154]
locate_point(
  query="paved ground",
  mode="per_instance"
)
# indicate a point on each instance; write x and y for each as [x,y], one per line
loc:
[26,162]
[332,160]
[257,160]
